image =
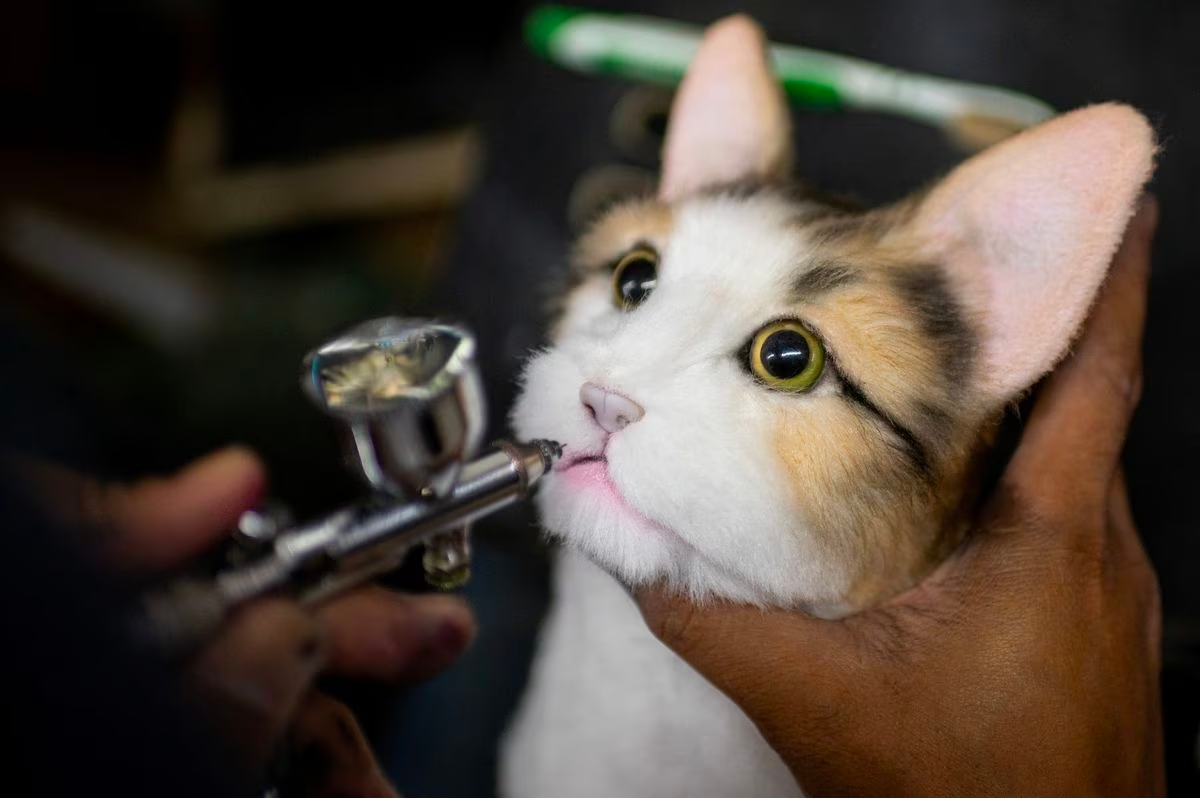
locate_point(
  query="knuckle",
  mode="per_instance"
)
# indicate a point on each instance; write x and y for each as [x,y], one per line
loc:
[675,625]
[1147,584]
[681,626]
[1117,377]
[1014,507]
[1064,531]
[1139,386]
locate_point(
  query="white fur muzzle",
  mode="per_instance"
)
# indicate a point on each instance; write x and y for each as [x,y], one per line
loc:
[679,478]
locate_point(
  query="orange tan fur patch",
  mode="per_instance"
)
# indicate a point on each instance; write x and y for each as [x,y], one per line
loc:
[865,503]
[630,223]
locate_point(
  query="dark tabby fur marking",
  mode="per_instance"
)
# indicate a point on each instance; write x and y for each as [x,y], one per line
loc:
[823,278]
[925,290]
[911,446]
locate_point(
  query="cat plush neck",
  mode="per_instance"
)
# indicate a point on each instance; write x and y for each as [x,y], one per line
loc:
[769,399]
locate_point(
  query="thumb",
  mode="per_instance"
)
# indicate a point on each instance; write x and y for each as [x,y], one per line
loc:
[743,650]
[152,524]
[158,523]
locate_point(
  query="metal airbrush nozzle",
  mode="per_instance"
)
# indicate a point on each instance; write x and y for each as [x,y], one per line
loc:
[549,451]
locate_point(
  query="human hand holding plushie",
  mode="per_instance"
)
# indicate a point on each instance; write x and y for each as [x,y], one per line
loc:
[773,401]
[1026,664]
[254,682]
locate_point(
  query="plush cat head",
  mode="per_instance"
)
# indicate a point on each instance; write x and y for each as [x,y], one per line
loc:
[772,400]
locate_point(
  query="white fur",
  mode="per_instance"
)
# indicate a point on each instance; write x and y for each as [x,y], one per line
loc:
[610,711]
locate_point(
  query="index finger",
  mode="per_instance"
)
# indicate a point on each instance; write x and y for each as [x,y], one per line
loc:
[156,523]
[1077,429]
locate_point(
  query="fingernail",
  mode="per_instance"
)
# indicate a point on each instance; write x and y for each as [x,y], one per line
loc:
[449,639]
[447,636]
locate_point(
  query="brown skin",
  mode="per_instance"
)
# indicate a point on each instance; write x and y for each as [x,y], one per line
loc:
[254,681]
[1027,664]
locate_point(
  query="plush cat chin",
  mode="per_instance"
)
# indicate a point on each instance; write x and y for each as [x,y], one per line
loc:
[933,314]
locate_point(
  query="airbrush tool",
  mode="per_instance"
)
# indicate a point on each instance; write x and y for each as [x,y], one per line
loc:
[407,396]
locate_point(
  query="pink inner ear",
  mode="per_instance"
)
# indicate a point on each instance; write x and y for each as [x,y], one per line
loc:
[1028,229]
[729,120]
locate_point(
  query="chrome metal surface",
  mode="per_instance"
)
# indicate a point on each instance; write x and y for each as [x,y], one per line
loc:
[408,396]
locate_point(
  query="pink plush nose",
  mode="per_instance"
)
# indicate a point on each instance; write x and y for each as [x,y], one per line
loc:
[612,411]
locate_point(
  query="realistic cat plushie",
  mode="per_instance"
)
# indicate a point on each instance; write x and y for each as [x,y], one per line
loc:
[771,400]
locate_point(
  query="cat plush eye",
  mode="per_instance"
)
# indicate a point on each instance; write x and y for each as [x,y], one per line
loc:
[786,356]
[634,277]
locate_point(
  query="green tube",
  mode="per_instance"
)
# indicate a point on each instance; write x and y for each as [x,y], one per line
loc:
[656,50]
[645,49]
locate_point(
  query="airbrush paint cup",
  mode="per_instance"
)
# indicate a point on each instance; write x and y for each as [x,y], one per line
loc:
[408,396]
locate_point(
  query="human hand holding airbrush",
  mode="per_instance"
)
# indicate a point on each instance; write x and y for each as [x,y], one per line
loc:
[1026,664]
[254,679]
[406,396]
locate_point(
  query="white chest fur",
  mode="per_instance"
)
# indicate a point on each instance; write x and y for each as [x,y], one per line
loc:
[611,711]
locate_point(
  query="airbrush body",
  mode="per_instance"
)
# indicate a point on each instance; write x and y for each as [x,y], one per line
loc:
[408,397]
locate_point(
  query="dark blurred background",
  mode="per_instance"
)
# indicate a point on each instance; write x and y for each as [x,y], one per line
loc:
[195,192]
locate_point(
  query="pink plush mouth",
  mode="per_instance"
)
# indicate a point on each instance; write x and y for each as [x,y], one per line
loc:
[590,473]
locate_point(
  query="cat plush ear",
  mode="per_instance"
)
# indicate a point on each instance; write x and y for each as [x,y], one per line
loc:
[729,121]
[1026,231]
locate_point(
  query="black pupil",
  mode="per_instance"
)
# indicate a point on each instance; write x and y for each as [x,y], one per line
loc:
[636,280]
[785,354]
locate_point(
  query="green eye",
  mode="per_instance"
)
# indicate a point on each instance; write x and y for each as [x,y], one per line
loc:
[634,278]
[786,356]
